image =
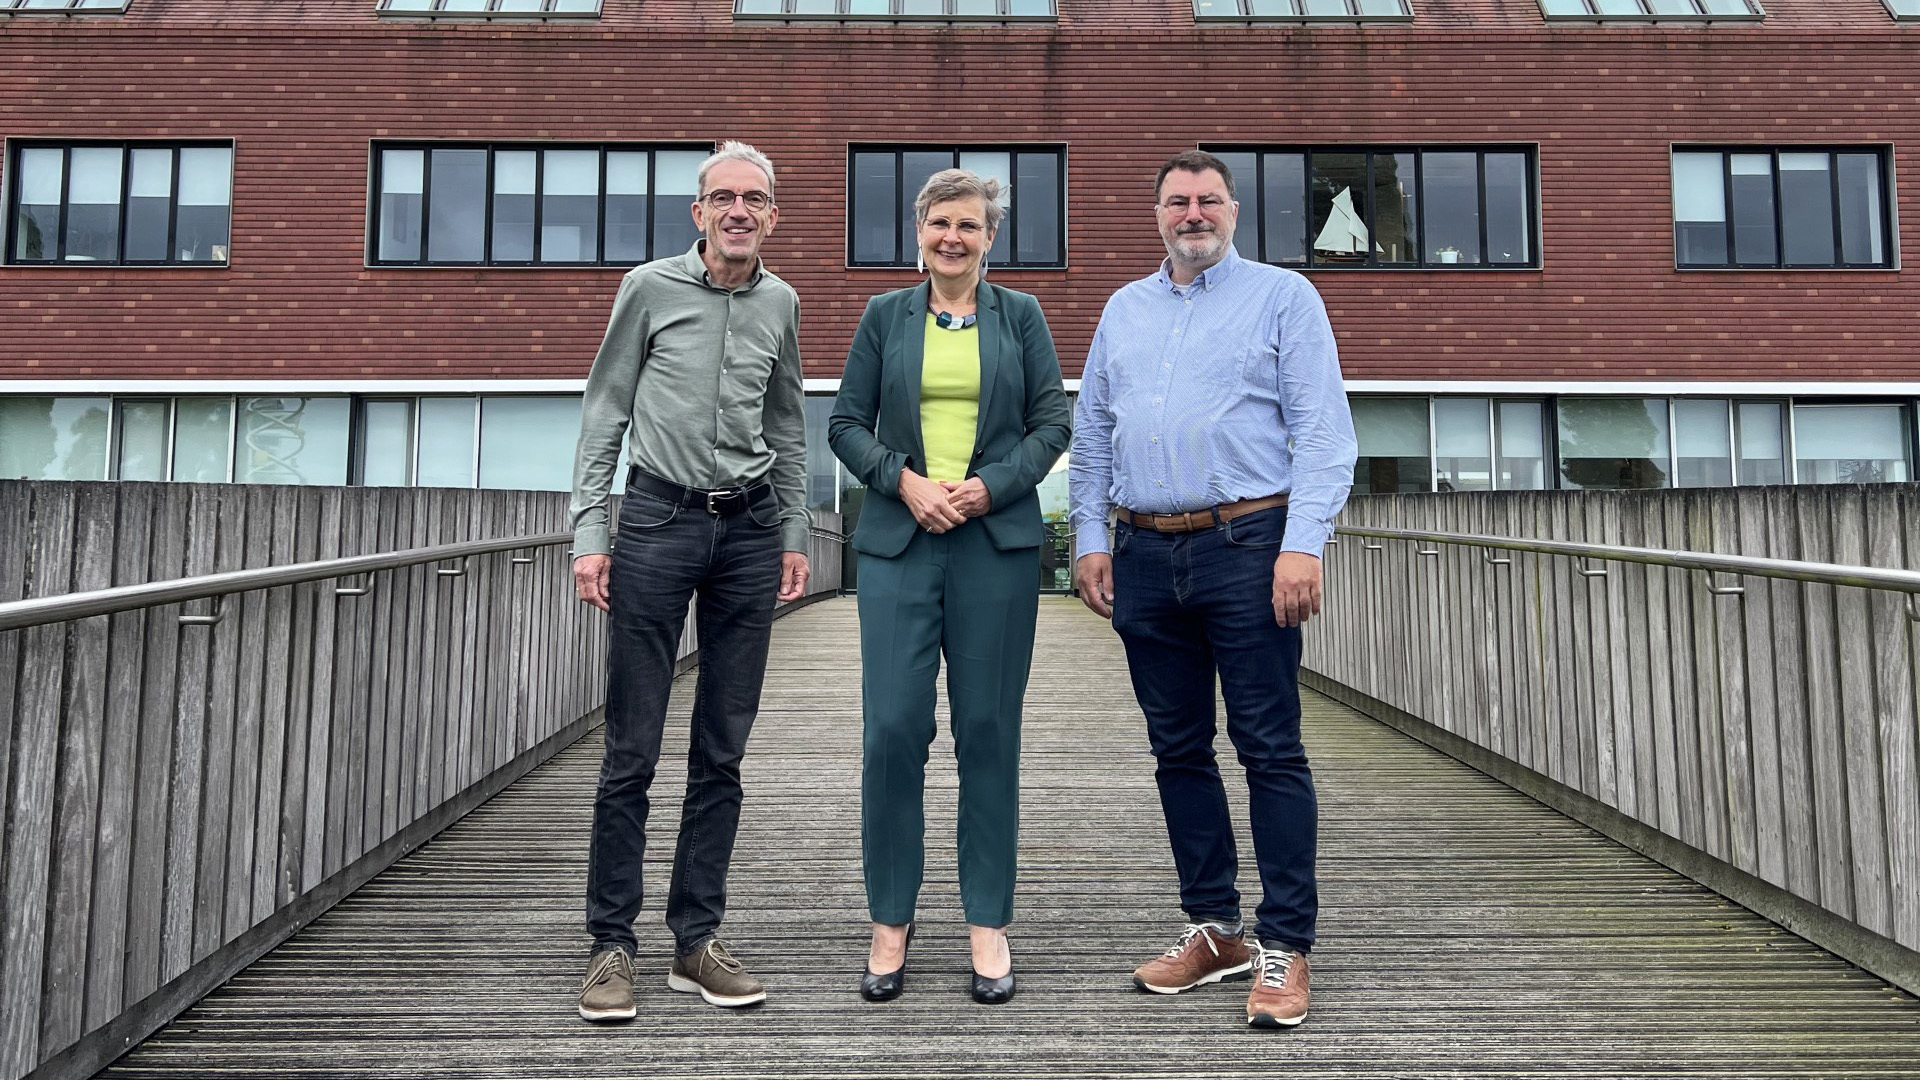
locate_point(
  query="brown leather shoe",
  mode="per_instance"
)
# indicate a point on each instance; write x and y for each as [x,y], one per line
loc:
[1202,955]
[1279,998]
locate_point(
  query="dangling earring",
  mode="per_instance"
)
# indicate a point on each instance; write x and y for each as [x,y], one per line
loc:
[920,263]
[983,266]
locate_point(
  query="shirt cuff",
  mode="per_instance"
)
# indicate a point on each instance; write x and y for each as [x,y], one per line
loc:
[592,540]
[1091,539]
[1306,537]
[793,536]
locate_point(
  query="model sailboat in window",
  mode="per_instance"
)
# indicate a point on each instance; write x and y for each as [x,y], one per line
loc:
[1344,238]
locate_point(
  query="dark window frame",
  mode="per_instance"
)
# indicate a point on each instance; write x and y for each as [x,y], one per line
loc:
[840,14]
[11,7]
[16,147]
[375,190]
[1889,238]
[1419,150]
[1756,13]
[1240,14]
[904,199]
[383,11]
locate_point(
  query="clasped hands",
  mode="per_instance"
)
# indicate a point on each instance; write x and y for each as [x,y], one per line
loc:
[938,505]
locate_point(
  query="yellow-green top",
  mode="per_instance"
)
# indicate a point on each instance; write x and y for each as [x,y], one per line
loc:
[949,399]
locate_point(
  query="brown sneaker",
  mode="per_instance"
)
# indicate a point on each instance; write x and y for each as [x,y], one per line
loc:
[716,976]
[1202,955]
[608,992]
[1279,997]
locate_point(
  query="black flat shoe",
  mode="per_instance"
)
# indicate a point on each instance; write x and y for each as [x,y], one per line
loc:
[887,987]
[993,991]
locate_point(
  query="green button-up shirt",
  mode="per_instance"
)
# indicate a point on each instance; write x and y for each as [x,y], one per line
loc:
[708,380]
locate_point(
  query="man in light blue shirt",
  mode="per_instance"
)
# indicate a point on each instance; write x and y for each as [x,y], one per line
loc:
[1213,429]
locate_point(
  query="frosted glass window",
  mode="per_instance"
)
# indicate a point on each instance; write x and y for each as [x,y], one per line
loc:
[1702,443]
[386,443]
[1761,429]
[1851,444]
[1395,444]
[53,438]
[1614,442]
[142,451]
[1463,444]
[1520,427]
[290,440]
[448,427]
[202,439]
[528,443]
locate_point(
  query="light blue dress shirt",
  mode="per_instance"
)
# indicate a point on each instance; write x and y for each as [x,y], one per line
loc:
[1199,395]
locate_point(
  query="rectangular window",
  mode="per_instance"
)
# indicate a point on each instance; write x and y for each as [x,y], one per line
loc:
[1851,444]
[53,438]
[1303,10]
[203,440]
[1396,450]
[1760,433]
[882,183]
[1462,444]
[1609,443]
[1520,430]
[136,204]
[984,10]
[383,443]
[531,205]
[492,9]
[141,438]
[292,440]
[1386,208]
[1781,209]
[1653,10]
[62,7]
[1702,443]
[527,442]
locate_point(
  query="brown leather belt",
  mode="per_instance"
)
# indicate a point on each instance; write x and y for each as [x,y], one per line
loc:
[1195,520]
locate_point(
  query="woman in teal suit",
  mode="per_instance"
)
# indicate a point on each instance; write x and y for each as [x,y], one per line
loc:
[951,411]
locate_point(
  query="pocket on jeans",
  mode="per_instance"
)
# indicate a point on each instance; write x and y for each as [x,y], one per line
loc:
[1261,529]
[641,510]
[764,510]
[1122,538]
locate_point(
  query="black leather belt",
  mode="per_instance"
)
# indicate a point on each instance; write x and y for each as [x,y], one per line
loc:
[723,501]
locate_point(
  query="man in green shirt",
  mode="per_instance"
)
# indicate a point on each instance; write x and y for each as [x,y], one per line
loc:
[701,368]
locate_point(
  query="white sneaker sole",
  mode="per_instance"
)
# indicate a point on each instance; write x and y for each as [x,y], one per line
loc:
[1262,1020]
[688,986]
[1223,975]
[601,1016]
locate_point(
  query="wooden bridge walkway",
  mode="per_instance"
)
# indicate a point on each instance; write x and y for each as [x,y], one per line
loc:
[1466,931]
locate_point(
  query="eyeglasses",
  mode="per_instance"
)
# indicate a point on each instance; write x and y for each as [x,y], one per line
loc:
[720,199]
[1178,204]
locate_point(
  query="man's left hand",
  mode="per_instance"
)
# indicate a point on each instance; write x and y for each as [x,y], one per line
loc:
[1296,588]
[971,498]
[793,576]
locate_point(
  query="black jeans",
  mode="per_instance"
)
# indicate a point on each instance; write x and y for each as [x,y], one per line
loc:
[1187,605]
[664,556]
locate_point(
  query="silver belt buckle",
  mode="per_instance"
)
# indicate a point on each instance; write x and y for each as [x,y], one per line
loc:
[723,493]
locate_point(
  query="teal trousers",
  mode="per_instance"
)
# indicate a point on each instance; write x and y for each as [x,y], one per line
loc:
[954,595]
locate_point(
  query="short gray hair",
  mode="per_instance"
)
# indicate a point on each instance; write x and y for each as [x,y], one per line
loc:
[950,184]
[732,150]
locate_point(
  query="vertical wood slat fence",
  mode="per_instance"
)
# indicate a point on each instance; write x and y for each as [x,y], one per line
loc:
[1762,741]
[179,798]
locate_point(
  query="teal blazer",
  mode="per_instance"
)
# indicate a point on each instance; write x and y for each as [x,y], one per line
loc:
[1025,420]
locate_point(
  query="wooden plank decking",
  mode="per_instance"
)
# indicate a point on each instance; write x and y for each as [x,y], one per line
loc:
[1466,931]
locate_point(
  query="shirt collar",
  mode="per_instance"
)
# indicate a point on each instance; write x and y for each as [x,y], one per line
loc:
[1207,279]
[697,268]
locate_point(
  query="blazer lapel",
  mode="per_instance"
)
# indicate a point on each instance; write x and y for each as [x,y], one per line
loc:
[990,324]
[913,356]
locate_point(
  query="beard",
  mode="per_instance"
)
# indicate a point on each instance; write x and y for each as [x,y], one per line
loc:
[1200,245]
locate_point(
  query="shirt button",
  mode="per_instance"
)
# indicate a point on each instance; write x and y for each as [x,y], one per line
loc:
[1156,401]
[1156,438]
[1176,333]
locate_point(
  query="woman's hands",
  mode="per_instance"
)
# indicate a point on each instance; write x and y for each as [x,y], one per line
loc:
[971,498]
[928,502]
[941,506]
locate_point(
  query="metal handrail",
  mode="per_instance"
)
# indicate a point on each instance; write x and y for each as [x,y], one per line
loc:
[1863,577]
[20,614]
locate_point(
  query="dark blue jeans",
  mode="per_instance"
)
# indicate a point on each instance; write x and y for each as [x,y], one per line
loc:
[1187,605]
[664,556]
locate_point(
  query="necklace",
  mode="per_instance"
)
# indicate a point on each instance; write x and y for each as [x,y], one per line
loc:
[953,322]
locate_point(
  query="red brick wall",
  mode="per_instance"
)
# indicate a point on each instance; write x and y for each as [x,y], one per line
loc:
[302,88]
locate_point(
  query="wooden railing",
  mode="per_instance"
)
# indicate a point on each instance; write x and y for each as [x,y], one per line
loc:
[1750,720]
[195,768]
